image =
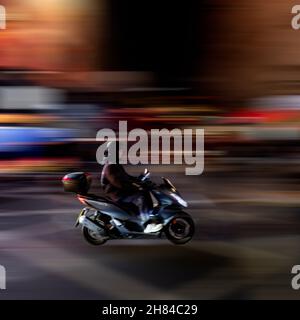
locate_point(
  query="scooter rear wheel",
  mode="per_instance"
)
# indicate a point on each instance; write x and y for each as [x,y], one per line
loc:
[92,238]
[180,230]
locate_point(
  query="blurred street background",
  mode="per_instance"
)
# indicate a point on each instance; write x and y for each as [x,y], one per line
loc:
[70,68]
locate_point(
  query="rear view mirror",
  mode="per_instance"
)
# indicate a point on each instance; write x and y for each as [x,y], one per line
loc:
[146,174]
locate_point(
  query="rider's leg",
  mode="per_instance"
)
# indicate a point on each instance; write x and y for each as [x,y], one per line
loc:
[144,205]
[147,206]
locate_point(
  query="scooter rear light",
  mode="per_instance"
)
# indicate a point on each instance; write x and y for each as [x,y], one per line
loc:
[82,200]
[66,179]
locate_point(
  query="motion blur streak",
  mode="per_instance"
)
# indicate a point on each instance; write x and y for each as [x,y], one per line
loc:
[70,68]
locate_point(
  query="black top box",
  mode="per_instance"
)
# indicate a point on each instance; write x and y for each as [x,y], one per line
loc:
[77,182]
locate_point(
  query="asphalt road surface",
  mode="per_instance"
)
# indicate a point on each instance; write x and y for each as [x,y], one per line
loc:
[247,241]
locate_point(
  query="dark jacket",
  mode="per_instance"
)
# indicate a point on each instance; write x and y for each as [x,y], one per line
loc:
[116,182]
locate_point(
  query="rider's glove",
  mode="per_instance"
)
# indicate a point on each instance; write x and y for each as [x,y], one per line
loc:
[137,186]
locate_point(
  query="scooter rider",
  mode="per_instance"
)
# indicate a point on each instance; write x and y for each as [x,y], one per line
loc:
[124,188]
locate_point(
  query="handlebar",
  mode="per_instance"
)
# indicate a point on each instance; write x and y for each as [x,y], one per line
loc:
[144,184]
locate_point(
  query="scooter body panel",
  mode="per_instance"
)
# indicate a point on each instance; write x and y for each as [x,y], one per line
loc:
[109,209]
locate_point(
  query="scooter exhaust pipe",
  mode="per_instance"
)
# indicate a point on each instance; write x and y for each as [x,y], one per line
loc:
[88,223]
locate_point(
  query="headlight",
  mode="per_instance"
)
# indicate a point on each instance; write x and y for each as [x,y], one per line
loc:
[179,200]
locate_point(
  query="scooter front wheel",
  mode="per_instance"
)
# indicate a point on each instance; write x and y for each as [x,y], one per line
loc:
[180,230]
[92,238]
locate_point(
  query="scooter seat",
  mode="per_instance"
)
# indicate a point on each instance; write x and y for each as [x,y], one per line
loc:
[95,197]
